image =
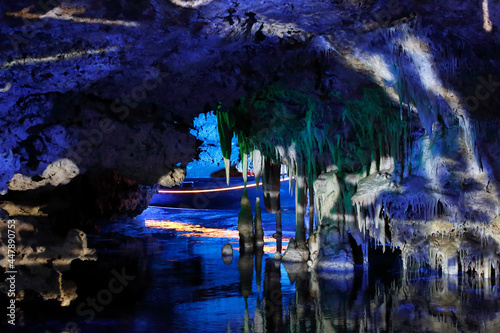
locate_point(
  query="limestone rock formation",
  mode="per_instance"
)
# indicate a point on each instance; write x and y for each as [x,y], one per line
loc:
[400,98]
[245,225]
[227,250]
[259,231]
[96,194]
[296,252]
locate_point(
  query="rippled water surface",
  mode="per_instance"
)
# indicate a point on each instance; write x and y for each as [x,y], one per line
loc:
[178,282]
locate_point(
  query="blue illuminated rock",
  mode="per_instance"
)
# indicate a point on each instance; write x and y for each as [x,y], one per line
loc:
[400,99]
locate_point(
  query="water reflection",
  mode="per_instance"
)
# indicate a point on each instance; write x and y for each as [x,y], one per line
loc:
[323,304]
[184,229]
[273,301]
[181,284]
[287,297]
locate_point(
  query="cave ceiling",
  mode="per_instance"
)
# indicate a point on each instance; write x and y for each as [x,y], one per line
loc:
[117,84]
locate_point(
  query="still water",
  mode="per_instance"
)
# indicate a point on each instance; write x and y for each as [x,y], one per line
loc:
[175,280]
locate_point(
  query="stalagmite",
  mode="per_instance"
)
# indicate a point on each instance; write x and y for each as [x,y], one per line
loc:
[227,254]
[245,224]
[258,317]
[297,250]
[259,232]
[227,250]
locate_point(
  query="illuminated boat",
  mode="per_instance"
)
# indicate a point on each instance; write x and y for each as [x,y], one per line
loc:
[208,193]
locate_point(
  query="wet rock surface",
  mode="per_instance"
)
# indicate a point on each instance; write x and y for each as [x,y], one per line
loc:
[96,195]
[296,252]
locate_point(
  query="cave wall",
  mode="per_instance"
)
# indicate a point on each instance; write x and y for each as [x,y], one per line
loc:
[399,96]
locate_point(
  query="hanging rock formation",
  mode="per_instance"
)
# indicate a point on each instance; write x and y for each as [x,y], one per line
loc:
[399,97]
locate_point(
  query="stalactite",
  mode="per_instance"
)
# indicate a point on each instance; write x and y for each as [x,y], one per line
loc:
[257,166]
[244,162]
[227,167]
[317,208]
[271,185]
[311,210]
[359,217]
[300,208]
[225,125]
[291,176]
[245,149]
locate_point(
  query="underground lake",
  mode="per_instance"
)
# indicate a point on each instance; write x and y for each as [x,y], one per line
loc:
[249,166]
[164,271]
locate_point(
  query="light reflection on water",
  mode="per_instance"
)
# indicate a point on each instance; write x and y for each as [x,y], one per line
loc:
[256,294]
[196,230]
[185,286]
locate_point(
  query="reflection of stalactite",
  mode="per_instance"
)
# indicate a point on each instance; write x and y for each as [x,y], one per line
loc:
[299,276]
[245,268]
[259,232]
[335,303]
[272,296]
[259,254]
[258,319]
[246,324]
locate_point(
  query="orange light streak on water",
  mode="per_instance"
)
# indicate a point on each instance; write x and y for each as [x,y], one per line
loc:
[195,230]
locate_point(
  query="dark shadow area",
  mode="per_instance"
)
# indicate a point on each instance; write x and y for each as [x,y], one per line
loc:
[381,262]
[357,251]
[96,195]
